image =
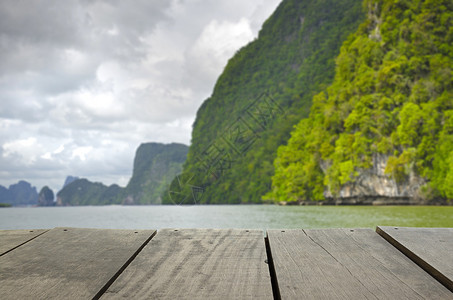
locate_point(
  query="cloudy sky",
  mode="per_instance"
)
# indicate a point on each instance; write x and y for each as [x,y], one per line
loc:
[84,82]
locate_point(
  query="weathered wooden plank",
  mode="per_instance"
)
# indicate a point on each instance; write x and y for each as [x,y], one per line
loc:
[430,248]
[11,239]
[68,263]
[197,264]
[346,264]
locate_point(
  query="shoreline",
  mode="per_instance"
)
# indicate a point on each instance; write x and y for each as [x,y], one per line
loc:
[372,201]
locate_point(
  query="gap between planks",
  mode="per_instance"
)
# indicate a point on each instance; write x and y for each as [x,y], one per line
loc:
[272,273]
[198,263]
[346,264]
[424,253]
[112,280]
[27,239]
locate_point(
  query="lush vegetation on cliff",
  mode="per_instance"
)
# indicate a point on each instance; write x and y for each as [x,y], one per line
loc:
[291,60]
[392,95]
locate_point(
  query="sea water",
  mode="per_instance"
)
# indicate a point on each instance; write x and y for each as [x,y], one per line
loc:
[225,216]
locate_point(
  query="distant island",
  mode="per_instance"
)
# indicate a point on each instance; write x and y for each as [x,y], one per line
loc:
[19,194]
[155,165]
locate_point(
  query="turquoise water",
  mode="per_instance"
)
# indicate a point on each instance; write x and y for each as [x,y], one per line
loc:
[225,216]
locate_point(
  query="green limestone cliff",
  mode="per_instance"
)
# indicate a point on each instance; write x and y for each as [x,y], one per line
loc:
[155,165]
[384,128]
[264,90]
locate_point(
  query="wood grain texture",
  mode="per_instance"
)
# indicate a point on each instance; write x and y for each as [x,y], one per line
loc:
[197,264]
[346,264]
[12,239]
[430,248]
[68,263]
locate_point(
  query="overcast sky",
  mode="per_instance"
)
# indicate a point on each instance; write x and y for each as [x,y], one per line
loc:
[83,83]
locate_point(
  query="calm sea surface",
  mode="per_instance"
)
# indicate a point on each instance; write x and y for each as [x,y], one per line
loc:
[225,216]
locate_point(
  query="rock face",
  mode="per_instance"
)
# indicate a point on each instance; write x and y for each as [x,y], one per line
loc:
[46,197]
[373,185]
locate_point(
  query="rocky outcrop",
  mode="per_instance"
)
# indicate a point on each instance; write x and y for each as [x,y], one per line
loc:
[46,197]
[374,186]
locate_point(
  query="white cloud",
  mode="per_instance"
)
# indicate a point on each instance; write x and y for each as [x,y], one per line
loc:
[25,148]
[83,83]
[81,152]
[217,42]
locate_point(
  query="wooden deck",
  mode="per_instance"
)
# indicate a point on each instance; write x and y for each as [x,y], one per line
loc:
[75,263]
